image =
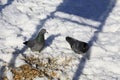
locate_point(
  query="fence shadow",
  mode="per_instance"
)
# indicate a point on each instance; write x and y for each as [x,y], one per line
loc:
[90,9]
[2,68]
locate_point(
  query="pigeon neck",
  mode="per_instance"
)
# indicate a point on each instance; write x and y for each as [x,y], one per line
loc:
[40,38]
[70,41]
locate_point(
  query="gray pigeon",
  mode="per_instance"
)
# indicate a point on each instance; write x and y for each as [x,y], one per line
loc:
[38,43]
[77,46]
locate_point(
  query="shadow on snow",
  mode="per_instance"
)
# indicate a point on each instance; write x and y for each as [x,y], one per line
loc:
[5,5]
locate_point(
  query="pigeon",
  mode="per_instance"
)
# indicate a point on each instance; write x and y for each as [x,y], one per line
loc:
[77,46]
[38,43]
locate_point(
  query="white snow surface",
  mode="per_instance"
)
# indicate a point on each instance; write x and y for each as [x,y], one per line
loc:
[21,20]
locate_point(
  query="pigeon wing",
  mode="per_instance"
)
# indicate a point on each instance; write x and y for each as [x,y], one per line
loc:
[30,43]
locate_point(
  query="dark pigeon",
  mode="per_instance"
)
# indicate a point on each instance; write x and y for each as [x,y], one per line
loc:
[38,43]
[77,46]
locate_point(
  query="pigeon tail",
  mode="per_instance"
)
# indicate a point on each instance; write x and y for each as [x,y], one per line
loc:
[26,42]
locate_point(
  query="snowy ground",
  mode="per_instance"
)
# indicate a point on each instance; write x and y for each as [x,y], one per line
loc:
[21,20]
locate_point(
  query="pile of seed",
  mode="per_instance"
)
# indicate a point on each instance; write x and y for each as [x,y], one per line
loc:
[39,67]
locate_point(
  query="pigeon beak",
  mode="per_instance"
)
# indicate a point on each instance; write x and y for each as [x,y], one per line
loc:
[46,32]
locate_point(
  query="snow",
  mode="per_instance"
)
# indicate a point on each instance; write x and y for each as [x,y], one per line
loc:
[21,20]
[3,2]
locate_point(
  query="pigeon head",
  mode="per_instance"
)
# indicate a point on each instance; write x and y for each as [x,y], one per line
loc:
[43,31]
[69,39]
